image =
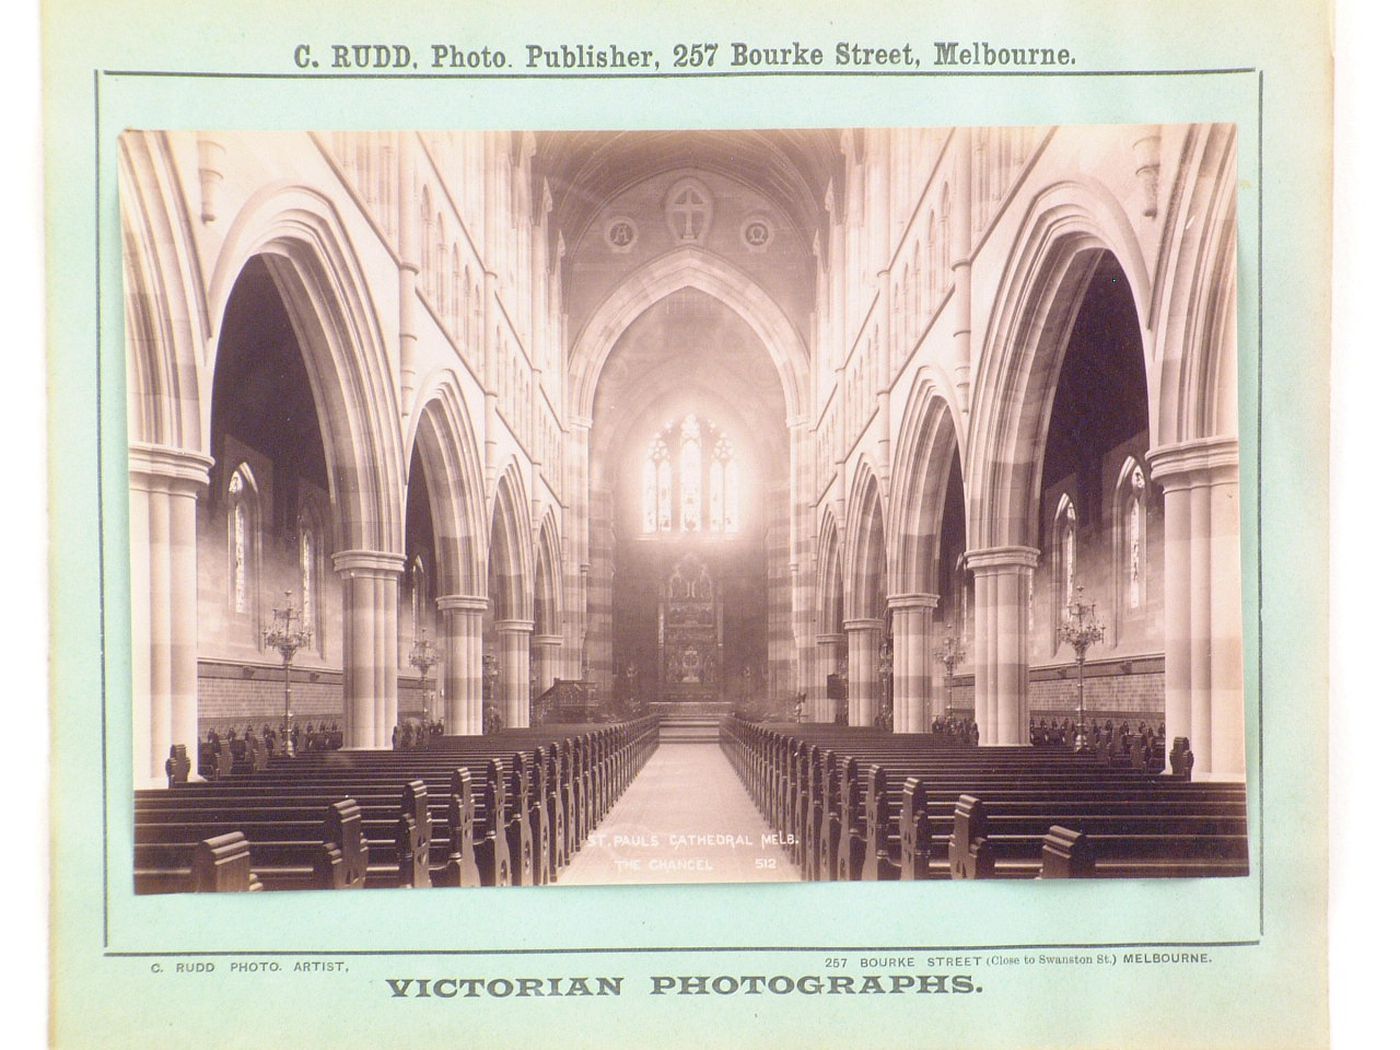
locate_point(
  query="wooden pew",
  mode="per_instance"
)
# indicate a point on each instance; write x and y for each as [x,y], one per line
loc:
[881,806]
[512,809]
[282,820]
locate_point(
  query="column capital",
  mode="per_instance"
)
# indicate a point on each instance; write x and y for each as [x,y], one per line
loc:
[166,464]
[462,602]
[866,624]
[367,563]
[1195,462]
[516,626]
[831,639]
[913,600]
[992,559]
[549,639]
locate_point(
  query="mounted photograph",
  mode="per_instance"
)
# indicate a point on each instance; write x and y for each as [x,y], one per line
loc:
[629,507]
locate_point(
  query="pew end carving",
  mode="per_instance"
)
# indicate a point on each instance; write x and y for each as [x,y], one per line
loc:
[224,864]
[1066,854]
[970,852]
[343,860]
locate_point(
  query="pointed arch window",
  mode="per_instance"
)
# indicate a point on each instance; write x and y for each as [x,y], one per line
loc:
[1066,557]
[945,254]
[1131,534]
[690,480]
[243,531]
[309,561]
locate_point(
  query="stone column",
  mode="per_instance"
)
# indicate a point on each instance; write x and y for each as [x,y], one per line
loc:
[370,611]
[863,670]
[828,655]
[1002,578]
[461,617]
[166,484]
[1202,590]
[513,645]
[914,668]
[549,651]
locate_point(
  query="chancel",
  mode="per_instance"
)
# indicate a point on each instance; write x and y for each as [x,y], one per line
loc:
[683,506]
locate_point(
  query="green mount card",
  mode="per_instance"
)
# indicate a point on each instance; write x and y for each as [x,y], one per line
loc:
[715,526]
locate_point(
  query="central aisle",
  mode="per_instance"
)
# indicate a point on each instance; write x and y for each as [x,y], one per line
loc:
[686,818]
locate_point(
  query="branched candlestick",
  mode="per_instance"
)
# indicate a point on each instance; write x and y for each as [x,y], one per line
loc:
[843,666]
[1081,629]
[885,667]
[424,657]
[951,656]
[287,635]
[489,671]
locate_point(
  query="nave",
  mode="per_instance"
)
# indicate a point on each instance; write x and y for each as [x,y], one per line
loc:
[685,818]
[464,460]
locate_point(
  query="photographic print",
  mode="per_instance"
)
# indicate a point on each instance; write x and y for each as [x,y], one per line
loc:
[528,508]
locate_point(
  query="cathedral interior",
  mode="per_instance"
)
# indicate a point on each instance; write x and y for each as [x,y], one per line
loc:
[692,456]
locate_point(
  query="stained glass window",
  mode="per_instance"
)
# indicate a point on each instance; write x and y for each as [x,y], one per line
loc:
[308,579]
[242,531]
[1066,543]
[703,493]
[1070,538]
[1133,492]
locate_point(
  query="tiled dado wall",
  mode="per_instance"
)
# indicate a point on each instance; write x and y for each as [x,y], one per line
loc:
[235,693]
[1116,689]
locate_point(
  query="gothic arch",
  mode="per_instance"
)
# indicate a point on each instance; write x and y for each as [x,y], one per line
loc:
[443,435]
[923,460]
[1065,233]
[1198,282]
[166,317]
[688,267]
[549,597]
[830,576]
[316,270]
[867,573]
[511,557]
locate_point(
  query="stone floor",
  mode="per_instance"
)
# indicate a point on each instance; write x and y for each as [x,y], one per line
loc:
[686,818]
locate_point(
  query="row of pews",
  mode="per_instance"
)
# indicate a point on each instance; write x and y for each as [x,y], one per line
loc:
[500,810]
[226,752]
[858,803]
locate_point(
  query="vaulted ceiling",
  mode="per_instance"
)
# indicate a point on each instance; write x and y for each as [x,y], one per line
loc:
[585,169]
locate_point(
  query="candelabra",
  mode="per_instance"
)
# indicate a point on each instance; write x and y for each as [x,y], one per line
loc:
[632,673]
[841,715]
[1081,629]
[424,657]
[489,672]
[951,656]
[287,635]
[885,719]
